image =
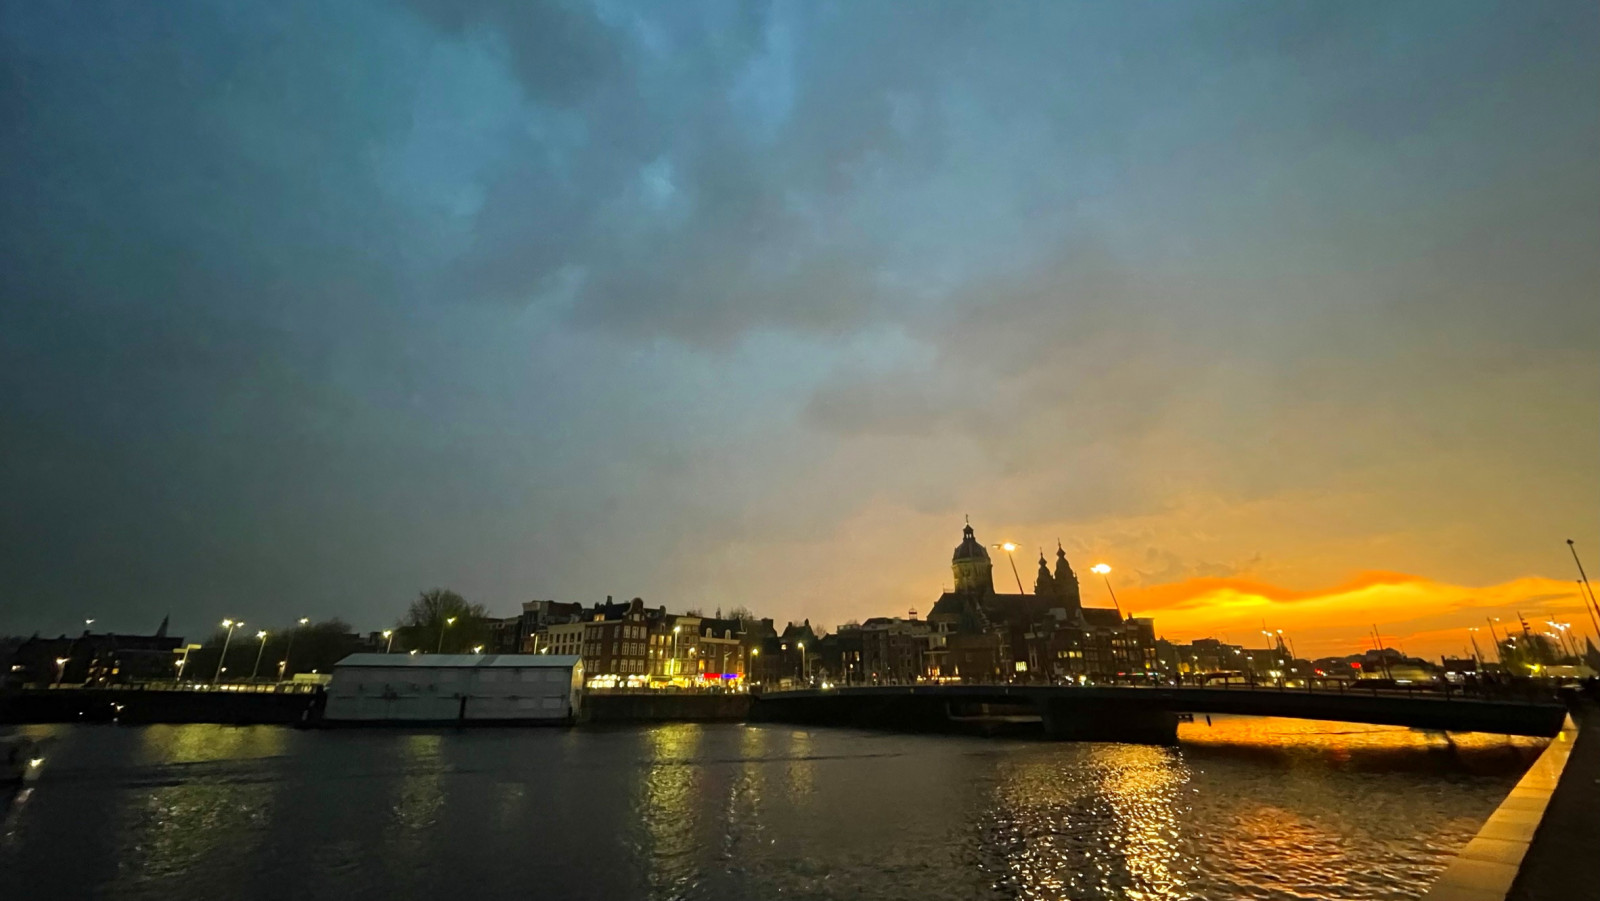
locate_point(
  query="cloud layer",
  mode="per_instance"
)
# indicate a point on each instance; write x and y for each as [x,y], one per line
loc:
[307,307]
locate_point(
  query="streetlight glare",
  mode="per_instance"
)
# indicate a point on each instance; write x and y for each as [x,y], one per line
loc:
[304,620]
[1100,568]
[1009,546]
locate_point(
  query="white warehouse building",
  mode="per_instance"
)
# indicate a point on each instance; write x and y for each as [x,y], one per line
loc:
[455,688]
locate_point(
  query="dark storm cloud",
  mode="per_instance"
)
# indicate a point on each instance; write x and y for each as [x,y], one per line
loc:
[310,305]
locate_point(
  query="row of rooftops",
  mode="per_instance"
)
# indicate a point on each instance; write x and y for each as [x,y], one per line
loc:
[462,661]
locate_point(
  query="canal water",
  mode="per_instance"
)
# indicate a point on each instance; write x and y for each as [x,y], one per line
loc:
[1243,808]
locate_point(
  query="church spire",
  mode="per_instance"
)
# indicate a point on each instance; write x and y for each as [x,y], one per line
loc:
[1043,584]
[1066,580]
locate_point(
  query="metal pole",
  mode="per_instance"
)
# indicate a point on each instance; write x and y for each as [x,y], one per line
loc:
[1113,594]
[1593,608]
[256,670]
[283,671]
[223,659]
[1011,555]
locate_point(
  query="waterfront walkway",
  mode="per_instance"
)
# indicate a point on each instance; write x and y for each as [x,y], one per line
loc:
[1540,844]
[1563,860]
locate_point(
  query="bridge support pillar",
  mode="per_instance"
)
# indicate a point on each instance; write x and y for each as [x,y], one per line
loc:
[1068,718]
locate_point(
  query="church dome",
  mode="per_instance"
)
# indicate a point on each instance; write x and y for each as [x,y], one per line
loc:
[969,548]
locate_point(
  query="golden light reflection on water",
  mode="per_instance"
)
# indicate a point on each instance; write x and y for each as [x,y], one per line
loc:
[1107,827]
[184,822]
[419,794]
[202,742]
[1142,784]
[669,803]
[800,773]
[743,813]
[1128,821]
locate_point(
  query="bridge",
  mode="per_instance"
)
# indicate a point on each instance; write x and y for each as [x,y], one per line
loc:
[1139,714]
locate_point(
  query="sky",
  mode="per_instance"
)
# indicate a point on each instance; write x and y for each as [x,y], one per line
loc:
[1286,311]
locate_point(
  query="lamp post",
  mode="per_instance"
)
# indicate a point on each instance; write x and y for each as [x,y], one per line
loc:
[61,669]
[754,653]
[230,625]
[449,621]
[1008,547]
[805,671]
[673,672]
[283,666]
[256,670]
[389,635]
[1594,608]
[1105,574]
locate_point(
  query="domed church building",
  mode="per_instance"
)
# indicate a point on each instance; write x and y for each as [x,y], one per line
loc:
[981,635]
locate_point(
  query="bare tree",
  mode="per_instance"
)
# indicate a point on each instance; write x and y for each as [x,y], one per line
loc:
[441,620]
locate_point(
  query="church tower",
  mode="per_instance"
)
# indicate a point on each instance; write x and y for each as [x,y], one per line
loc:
[1043,585]
[973,572]
[1066,580]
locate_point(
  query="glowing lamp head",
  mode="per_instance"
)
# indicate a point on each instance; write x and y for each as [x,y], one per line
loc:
[261,634]
[304,620]
[1009,546]
[387,632]
[227,624]
[1100,568]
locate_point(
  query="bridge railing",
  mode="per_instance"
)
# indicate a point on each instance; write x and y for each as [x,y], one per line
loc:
[1512,691]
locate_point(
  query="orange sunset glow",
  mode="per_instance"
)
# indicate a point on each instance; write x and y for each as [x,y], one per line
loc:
[1427,617]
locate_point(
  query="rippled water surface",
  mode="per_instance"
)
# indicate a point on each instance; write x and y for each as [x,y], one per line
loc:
[1243,809]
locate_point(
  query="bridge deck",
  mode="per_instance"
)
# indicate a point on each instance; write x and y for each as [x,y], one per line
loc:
[1451,713]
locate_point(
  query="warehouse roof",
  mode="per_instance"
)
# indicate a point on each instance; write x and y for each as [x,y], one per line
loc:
[437,661]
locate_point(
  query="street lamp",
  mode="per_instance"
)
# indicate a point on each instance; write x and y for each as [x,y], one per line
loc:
[388,634]
[477,649]
[283,667]
[262,637]
[230,625]
[449,621]
[805,674]
[1008,547]
[61,669]
[1105,573]
[675,631]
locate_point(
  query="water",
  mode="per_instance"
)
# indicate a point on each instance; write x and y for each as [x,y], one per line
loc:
[1244,809]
